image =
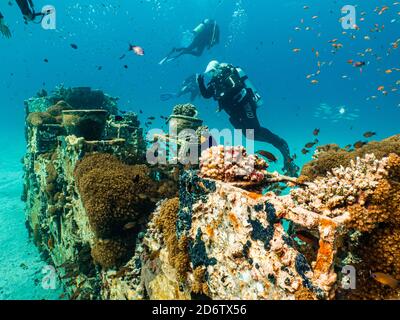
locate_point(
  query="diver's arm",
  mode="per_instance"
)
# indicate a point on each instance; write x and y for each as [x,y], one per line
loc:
[207,93]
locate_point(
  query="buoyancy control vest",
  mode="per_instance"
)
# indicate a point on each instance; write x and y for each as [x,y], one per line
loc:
[232,83]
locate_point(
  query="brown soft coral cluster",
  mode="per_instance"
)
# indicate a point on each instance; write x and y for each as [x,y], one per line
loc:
[111,253]
[332,156]
[379,252]
[177,248]
[113,193]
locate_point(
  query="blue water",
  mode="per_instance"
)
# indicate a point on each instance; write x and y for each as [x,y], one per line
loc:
[258,35]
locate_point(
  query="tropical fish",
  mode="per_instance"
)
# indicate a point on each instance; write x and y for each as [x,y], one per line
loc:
[136,49]
[369,134]
[268,155]
[129,225]
[74,46]
[384,8]
[305,151]
[309,145]
[307,238]
[296,50]
[359,144]
[316,132]
[386,279]
[314,81]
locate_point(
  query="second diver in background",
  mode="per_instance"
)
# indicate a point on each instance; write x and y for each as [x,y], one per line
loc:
[205,35]
[189,86]
[235,94]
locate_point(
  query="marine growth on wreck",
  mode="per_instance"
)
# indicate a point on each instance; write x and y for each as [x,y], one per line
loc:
[116,227]
[258,159]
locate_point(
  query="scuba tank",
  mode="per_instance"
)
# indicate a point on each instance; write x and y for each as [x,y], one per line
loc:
[245,79]
[199,28]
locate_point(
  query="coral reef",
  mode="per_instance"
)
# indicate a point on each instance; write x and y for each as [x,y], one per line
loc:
[332,156]
[187,110]
[367,189]
[116,228]
[113,193]
[232,164]
[111,254]
[177,248]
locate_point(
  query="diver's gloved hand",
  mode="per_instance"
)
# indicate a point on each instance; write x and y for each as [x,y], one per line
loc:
[291,169]
[5,30]
[200,79]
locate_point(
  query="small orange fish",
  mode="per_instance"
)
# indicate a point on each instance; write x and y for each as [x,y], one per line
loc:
[381,88]
[384,8]
[314,81]
[389,71]
[386,279]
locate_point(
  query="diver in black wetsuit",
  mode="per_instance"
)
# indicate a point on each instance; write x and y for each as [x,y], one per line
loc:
[28,10]
[4,28]
[206,35]
[235,94]
[189,86]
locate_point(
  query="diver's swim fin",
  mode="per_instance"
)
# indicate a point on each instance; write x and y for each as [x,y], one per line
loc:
[166,59]
[163,61]
[167,96]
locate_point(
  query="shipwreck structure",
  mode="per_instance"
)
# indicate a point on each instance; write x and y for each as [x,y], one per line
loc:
[115,227]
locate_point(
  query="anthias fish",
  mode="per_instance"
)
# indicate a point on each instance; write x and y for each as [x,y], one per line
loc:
[386,279]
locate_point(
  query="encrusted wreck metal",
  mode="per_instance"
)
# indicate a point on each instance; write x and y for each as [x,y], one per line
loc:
[221,238]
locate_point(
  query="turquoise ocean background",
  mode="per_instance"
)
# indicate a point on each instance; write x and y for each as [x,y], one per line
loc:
[258,35]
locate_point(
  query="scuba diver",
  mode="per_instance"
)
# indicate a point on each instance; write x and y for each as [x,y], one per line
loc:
[236,95]
[189,86]
[206,34]
[3,27]
[28,10]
